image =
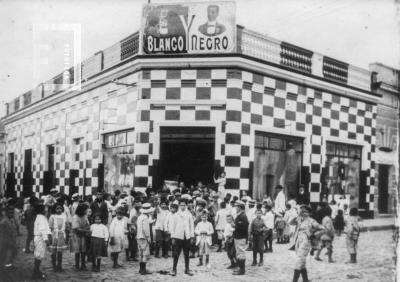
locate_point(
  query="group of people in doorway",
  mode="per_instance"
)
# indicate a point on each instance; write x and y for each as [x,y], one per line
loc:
[183,220]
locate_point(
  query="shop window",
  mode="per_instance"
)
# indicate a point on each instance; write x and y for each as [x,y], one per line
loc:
[343,165]
[11,162]
[277,160]
[118,161]
[28,160]
[50,150]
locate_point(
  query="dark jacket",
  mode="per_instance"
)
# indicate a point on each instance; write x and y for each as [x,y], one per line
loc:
[241,226]
[101,209]
[302,199]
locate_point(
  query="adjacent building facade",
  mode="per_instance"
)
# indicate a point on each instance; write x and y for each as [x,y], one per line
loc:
[386,83]
[269,113]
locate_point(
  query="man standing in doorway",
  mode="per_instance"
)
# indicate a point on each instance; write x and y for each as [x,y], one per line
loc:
[240,235]
[182,233]
[280,200]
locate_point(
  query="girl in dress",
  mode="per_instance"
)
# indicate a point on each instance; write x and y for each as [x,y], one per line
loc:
[98,241]
[221,181]
[57,223]
[118,235]
[203,231]
[41,239]
[80,231]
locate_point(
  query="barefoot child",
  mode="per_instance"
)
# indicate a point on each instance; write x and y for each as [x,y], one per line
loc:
[98,241]
[203,232]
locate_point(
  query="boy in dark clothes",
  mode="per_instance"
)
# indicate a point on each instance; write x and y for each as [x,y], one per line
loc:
[339,222]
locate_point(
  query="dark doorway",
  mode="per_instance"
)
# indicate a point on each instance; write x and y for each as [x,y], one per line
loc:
[383,188]
[186,154]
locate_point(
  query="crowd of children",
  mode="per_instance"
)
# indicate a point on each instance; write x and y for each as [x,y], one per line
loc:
[139,224]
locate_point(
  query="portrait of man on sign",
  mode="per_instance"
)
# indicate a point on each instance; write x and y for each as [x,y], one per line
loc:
[212,27]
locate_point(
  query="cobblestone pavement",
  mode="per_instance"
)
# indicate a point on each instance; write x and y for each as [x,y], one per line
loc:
[375,263]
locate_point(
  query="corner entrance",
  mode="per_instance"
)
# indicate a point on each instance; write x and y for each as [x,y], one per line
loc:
[186,154]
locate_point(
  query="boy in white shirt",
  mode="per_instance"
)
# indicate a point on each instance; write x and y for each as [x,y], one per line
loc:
[269,220]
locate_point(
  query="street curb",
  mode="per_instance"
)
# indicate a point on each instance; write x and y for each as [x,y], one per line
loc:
[377,228]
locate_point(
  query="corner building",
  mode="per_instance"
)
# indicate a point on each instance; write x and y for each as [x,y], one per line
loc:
[270,113]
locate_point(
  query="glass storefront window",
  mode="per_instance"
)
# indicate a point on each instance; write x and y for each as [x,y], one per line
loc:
[119,164]
[277,160]
[343,165]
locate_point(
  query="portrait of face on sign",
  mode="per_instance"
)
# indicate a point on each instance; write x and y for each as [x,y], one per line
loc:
[212,27]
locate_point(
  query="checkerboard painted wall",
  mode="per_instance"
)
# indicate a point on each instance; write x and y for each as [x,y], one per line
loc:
[251,102]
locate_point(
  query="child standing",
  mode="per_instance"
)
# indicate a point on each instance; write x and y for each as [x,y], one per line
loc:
[269,223]
[339,222]
[220,223]
[98,241]
[327,236]
[204,231]
[42,237]
[257,231]
[352,231]
[118,235]
[58,223]
[80,230]
[280,225]
[229,242]
[161,233]
[143,236]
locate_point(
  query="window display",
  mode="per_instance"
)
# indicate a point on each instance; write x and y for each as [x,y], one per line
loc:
[277,160]
[119,161]
[343,165]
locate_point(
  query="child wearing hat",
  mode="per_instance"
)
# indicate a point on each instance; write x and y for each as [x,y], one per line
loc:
[98,241]
[143,236]
[118,235]
[203,232]
[352,231]
[257,232]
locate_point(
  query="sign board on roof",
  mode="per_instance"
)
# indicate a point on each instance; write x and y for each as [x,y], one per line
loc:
[208,27]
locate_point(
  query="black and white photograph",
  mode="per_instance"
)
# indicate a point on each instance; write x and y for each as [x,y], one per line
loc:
[199,140]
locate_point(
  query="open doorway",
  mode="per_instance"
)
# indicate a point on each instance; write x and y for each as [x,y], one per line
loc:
[383,188]
[186,154]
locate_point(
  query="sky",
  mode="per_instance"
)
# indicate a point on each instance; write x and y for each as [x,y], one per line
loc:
[358,32]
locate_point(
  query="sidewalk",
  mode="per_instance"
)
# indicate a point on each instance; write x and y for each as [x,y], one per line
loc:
[383,223]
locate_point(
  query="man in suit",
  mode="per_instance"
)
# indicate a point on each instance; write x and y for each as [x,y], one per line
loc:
[99,206]
[212,27]
[240,235]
